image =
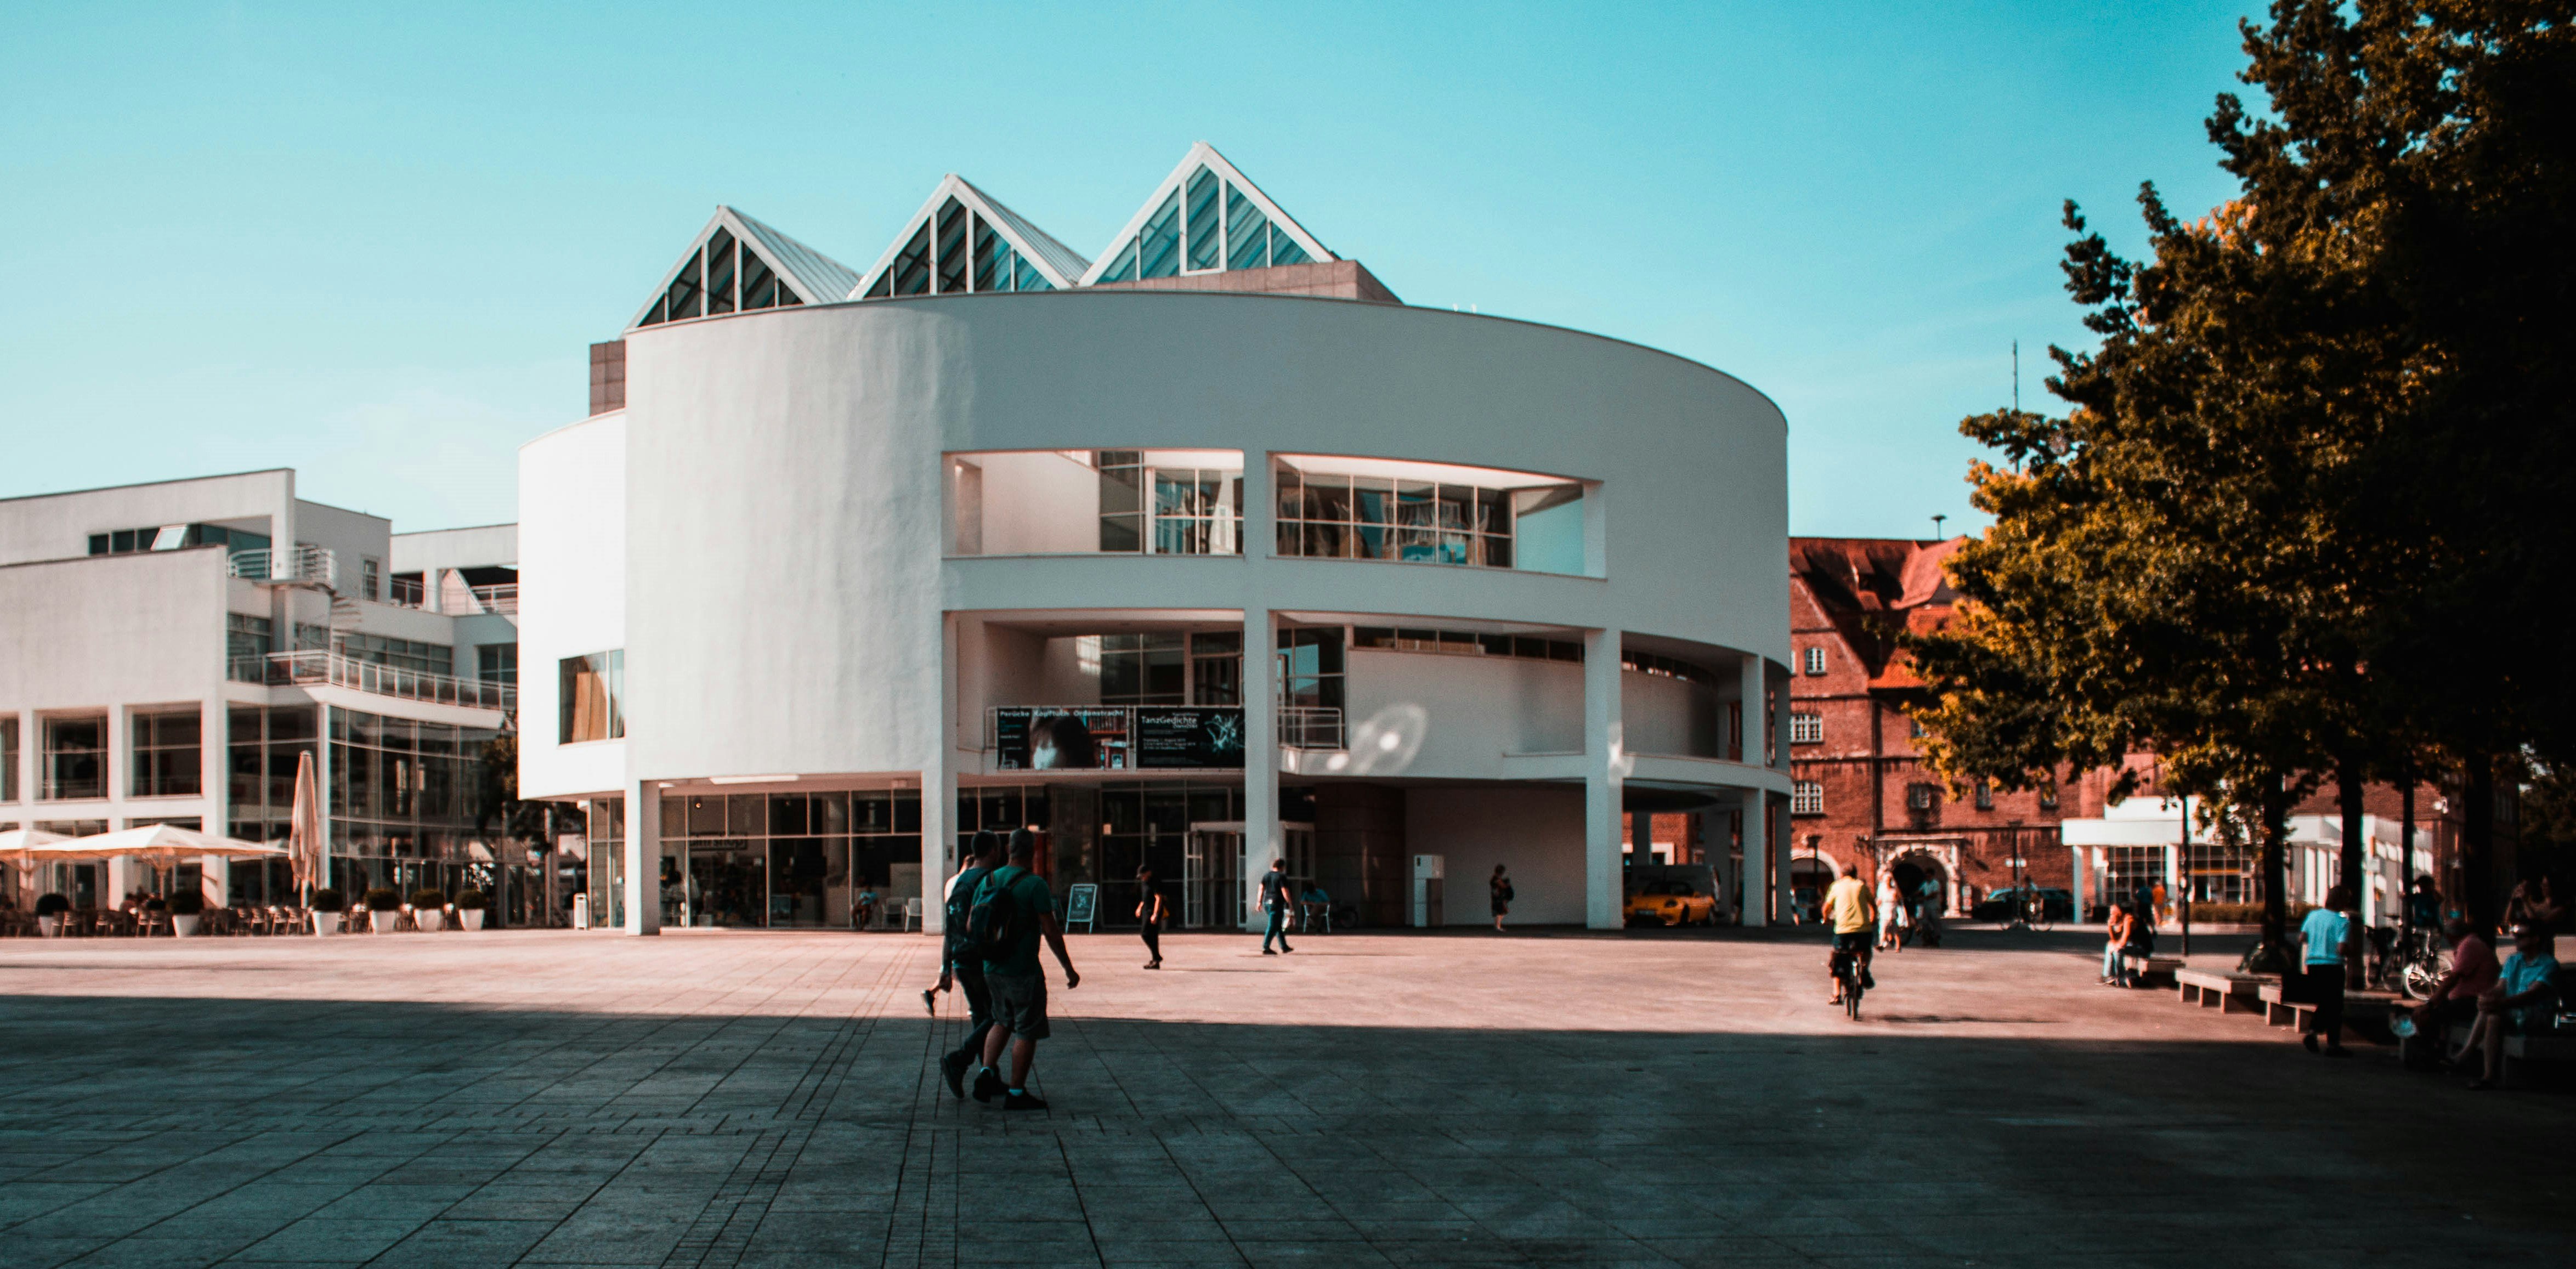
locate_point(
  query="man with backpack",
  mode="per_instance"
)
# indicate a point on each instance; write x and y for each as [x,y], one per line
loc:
[959,968]
[1013,909]
[1276,901]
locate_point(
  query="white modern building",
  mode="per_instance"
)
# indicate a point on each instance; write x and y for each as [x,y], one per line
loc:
[1198,553]
[2152,841]
[169,651]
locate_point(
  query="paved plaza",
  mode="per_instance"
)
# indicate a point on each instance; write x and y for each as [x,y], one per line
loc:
[736,1099]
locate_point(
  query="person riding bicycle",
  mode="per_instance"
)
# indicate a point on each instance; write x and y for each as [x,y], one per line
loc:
[1848,906]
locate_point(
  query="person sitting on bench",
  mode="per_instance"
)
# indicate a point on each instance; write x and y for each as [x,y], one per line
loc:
[2524,1001]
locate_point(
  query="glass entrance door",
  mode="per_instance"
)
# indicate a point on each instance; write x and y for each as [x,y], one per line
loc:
[728,884]
[1212,879]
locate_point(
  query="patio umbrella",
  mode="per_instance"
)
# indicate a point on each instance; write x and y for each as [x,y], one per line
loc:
[13,847]
[160,845]
[304,831]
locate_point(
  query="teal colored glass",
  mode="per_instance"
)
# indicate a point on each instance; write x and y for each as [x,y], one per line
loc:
[1207,237]
[1030,278]
[1125,268]
[1284,249]
[1247,232]
[1158,248]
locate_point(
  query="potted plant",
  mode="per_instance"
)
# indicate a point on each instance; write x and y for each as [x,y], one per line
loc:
[384,908]
[49,914]
[327,911]
[428,909]
[187,908]
[469,908]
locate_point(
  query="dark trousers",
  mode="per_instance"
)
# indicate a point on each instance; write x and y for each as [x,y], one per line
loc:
[1276,929]
[2323,987]
[1153,940]
[979,1008]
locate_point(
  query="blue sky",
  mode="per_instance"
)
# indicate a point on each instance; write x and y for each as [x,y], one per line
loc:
[374,244]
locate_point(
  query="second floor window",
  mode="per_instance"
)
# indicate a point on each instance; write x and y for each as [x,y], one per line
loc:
[1815,660]
[1922,797]
[1985,796]
[370,579]
[1807,797]
[497,663]
[166,762]
[1806,729]
[8,759]
[591,704]
[75,763]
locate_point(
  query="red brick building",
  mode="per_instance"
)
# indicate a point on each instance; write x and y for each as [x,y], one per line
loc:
[1863,793]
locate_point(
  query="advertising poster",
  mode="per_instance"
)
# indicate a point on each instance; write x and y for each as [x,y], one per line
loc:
[1076,739]
[1175,736]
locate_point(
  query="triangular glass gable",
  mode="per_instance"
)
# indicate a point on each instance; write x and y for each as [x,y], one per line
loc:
[963,245]
[1213,220]
[723,274]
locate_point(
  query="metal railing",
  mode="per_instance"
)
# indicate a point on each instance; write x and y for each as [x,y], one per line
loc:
[312,665]
[405,592]
[1300,726]
[306,563]
[503,598]
[1310,727]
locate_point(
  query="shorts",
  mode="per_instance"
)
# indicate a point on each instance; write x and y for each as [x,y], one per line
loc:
[1851,941]
[1019,1004]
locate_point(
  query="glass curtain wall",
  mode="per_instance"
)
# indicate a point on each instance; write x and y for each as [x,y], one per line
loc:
[168,759]
[604,862]
[75,764]
[790,860]
[405,797]
[262,746]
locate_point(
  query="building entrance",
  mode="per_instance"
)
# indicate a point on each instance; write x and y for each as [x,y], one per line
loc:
[1913,873]
[728,884]
[1212,878]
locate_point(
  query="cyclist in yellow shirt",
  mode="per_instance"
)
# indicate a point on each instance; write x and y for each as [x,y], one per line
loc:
[1847,905]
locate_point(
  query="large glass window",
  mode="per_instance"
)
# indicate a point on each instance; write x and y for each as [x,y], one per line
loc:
[9,759]
[173,537]
[1310,668]
[1216,668]
[1078,502]
[263,747]
[1197,511]
[593,689]
[1204,221]
[720,272]
[911,271]
[1144,669]
[952,247]
[168,760]
[497,663]
[1424,513]
[403,791]
[1466,643]
[400,654]
[789,859]
[75,762]
[1159,244]
[1220,222]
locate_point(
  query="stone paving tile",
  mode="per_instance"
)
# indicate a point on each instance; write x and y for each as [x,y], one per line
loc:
[767,1100]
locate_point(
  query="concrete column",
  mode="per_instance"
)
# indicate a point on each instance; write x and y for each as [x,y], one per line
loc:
[1748,736]
[939,790]
[1778,757]
[1641,837]
[643,857]
[1261,842]
[1604,779]
[2076,863]
[1780,852]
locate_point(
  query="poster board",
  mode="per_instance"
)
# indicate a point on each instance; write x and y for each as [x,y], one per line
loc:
[1074,738]
[1082,907]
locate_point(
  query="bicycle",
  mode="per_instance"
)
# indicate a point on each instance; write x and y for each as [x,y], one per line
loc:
[2033,915]
[1846,970]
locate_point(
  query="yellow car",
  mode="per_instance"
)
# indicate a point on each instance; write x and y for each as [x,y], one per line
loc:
[1670,903]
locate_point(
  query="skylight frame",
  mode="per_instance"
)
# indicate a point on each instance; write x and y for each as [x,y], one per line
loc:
[977,207]
[1201,153]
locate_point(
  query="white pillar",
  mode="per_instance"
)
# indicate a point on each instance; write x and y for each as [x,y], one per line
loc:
[1604,777]
[1261,842]
[939,790]
[2075,861]
[643,857]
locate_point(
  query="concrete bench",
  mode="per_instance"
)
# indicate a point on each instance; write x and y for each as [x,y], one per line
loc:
[2365,1013]
[2152,971]
[2557,1046]
[2226,993]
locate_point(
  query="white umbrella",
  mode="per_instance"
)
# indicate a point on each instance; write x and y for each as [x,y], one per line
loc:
[304,830]
[14,844]
[158,843]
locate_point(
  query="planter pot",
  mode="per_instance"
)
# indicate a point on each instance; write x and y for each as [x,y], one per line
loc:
[183,926]
[383,921]
[50,926]
[325,923]
[472,917]
[429,919]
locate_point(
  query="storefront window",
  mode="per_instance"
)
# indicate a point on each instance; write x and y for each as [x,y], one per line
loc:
[790,860]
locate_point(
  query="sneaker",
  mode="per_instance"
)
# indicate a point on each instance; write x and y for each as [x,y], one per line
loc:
[929,1002]
[953,1068]
[1867,982]
[2309,1041]
[1283,946]
[987,1083]
[1024,1101]
[1268,952]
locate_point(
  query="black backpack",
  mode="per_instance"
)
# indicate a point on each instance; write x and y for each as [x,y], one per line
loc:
[961,903]
[995,925]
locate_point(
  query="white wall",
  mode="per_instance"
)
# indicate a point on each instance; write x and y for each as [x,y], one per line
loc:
[1662,715]
[1467,711]
[475,547]
[1534,831]
[1038,503]
[572,588]
[57,526]
[350,536]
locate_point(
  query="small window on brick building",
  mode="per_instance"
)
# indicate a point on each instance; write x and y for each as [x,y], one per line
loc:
[2048,796]
[1914,726]
[1806,729]
[1815,660]
[1922,797]
[1807,797]
[1985,796]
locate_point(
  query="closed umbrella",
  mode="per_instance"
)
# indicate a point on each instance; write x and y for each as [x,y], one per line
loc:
[304,831]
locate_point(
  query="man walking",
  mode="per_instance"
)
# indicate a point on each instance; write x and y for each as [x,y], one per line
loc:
[961,969]
[1275,900]
[1013,909]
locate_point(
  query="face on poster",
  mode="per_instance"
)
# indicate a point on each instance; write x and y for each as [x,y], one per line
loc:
[1029,739]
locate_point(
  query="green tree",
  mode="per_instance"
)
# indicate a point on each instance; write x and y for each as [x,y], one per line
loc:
[534,822]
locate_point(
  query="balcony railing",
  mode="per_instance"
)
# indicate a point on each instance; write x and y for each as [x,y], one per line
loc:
[279,669]
[503,598]
[1310,727]
[307,563]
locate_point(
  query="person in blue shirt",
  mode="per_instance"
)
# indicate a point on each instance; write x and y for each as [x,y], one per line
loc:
[2524,1001]
[2328,934]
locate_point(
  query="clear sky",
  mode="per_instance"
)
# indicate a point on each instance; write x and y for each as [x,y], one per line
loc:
[373,242]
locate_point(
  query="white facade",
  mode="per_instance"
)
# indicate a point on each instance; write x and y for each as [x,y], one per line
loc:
[163,647]
[829,540]
[2155,833]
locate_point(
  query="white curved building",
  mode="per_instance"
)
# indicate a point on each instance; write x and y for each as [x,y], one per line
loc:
[847,565]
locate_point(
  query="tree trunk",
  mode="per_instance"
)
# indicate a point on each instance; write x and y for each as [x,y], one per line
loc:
[2348,792]
[2477,845]
[2271,953]
[2406,856]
